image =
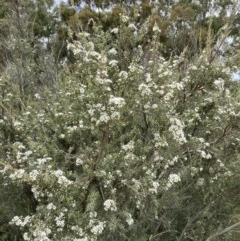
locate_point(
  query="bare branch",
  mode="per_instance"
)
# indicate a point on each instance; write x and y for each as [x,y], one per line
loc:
[223,231]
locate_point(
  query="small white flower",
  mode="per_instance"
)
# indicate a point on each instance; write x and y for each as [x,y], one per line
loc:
[103,80]
[79,162]
[37,96]
[132,26]
[154,188]
[51,206]
[109,204]
[115,115]
[173,178]
[194,67]
[124,18]
[62,180]
[219,83]
[129,146]
[81,239]
[104,118]
[33,175]
[129,219]
[26,236]
[115,30]
[156,28]
[205,155]
[98,229]
[118,101]
[145,90]
[59,220]
[20,221]
[60,223]
[176,129]
[148,77]
[18,174]
[58,173]
[41,161]
[123,75]
[93,214]
[113,63]
[200,182]
[17,124]
[112,51]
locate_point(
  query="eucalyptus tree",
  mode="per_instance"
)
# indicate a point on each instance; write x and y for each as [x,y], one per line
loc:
[183,23]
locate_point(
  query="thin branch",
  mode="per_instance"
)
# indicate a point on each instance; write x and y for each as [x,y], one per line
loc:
[224,133]
[223,231]
[192,220]
[159,234]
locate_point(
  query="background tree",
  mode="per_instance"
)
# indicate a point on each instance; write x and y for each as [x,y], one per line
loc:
[174,18]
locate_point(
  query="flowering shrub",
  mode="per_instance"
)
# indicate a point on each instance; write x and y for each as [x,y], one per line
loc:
[116,152]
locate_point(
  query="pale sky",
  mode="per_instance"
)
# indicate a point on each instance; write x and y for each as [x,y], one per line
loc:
[59,1]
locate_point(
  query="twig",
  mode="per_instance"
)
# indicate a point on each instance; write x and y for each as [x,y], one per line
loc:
[223,231]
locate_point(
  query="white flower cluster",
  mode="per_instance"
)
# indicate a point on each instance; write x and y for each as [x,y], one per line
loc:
[23,156]
[132,26]
[117,101]
[33,175]
[115,115]
[129,146]
[41,234]
[124,18]
[18,174]
[171,162]
[104,118]
[112,51]
[173,178]
[176,85]
[76,48]
[136,184]
[79,161]
[177,130]
[123,75]
[113,63]
[115,30]
[219,83]
[98,228]
[145,90]
[129,219]
[81,239]
[156,28]
[102,78]
[20,221]
[205,155]
[51,206]
[60,220]
[200,182]
[78,230]
[159,141]
[36,192]
[109,204]
[154,188]
[44,160]
[62,180]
